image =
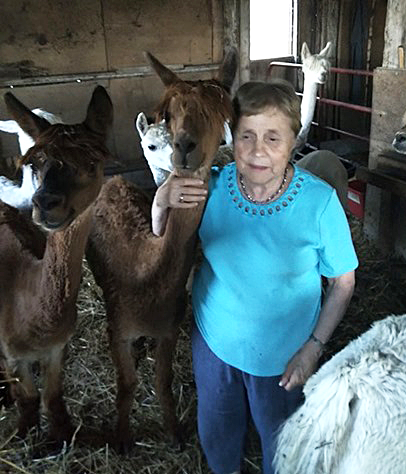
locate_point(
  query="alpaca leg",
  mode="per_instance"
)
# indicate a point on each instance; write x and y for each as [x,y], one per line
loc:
[122,353]
[54,404]
[164,376]
[5,386]
[26,395]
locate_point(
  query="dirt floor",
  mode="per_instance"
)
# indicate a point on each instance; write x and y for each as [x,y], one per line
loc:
[90,387]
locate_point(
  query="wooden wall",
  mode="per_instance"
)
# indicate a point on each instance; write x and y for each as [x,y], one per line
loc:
[385,220]
[54,53]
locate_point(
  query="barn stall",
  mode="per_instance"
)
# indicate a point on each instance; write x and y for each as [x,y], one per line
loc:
[53,55]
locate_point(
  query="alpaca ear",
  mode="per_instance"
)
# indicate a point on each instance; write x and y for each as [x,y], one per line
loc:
[166,75]
[28,121]
[99,117]
[142,124]
[228,69]
[326,50]
[305,53]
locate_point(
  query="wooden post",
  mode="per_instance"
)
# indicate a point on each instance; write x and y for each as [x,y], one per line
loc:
[237,35]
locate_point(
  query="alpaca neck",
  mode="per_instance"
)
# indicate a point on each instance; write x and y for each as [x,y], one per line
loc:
[61,269]
[181,228]
[306,111]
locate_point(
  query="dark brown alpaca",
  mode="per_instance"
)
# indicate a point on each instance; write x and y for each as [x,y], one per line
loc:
[143,277]
[40,274]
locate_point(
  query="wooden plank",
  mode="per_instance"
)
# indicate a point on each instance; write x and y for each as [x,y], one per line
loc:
[244,41]
[383,180]
[176,31]
[52,37]
[386,209]
[127,73]
[395,32]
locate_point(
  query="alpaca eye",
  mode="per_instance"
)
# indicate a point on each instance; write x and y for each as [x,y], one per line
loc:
[92,167]
[152,147]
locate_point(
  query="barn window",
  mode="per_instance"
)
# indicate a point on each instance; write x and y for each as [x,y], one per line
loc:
[273,28]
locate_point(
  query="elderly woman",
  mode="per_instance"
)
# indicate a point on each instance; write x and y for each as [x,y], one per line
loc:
[269,232]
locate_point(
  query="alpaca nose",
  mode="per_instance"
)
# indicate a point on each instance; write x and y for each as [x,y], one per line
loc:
[185,144]
[47,201]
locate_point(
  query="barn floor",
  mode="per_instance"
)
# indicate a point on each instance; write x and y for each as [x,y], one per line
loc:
[90,387]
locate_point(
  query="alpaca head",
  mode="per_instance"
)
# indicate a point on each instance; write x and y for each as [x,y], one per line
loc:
[69,159]
[156,142]
[399,142]
[195,112]
[315,66]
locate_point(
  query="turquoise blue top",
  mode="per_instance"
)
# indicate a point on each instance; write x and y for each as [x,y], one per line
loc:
[257,294]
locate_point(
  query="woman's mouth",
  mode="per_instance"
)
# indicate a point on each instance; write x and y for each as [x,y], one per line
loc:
[258,167]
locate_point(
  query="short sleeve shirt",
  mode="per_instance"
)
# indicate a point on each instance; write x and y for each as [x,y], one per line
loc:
[257,294]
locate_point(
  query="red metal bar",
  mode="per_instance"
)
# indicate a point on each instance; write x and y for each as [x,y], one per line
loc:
[339,70]
[332,102]
[347,105]
[339,103]
[343,132]
[353,72]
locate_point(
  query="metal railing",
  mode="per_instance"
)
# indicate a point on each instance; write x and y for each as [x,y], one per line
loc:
[331,102]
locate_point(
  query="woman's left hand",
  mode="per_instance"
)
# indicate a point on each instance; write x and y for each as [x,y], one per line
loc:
[301,366]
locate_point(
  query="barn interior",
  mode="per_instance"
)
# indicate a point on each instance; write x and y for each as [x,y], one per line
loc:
[53,54]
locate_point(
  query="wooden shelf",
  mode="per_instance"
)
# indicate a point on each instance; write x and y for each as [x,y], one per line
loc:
[383,178]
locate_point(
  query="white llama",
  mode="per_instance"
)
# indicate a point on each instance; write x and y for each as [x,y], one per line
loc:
[353,420]
[315,68]
[10,193]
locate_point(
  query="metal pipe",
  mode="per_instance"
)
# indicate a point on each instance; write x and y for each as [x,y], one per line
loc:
[342,132]
[332,102]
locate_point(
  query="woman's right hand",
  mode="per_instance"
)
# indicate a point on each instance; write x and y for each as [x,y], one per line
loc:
[180,192]
[183,193]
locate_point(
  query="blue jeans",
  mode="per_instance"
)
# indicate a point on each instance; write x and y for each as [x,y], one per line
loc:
[226,398]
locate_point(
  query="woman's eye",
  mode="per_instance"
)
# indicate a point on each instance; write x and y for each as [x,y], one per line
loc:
[271,139]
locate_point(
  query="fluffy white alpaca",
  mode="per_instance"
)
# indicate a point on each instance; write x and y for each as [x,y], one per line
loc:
[315,68]
[157,148]
[10,193]
[353,420]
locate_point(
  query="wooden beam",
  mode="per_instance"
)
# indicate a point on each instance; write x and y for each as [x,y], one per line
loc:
[383,180]
[244,41]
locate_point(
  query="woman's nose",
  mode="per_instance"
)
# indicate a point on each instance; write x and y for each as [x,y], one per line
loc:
[259,149]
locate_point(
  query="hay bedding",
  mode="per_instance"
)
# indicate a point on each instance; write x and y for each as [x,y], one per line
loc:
[90,386]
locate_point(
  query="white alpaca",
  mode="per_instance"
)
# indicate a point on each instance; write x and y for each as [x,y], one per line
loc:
[354,418]
[399,142]
[10,193]
[315,68]
[156,145]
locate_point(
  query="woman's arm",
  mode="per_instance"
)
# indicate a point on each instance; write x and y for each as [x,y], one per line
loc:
[304,362]
[182,193]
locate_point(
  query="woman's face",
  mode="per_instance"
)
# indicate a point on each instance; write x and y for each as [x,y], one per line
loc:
[262,146]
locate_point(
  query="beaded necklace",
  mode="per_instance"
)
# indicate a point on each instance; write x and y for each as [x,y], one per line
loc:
[271,197]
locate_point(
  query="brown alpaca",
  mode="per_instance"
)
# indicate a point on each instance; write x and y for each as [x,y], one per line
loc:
[40,274]
[143,277]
